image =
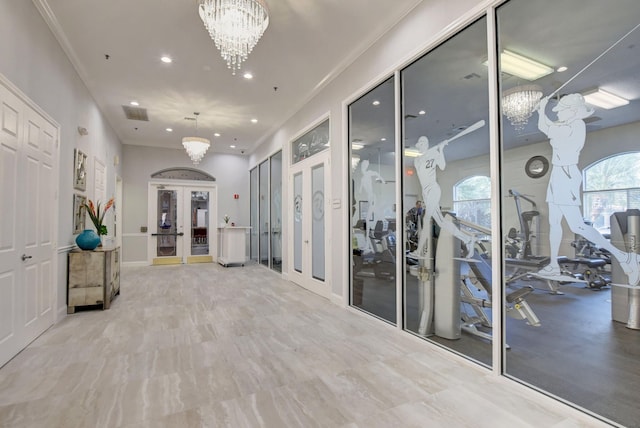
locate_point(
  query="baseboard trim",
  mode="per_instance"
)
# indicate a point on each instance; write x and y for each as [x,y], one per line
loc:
[135,264]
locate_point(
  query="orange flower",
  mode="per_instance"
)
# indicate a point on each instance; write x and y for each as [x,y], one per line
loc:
[97,216]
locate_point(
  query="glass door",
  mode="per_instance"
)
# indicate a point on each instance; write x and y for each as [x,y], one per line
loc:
[310,184]
[201,202]
[165,224]
[180,220]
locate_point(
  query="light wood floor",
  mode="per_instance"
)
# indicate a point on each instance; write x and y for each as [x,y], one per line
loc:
[207,346]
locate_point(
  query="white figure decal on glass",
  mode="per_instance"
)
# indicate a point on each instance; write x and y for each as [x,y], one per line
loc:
[366,187]
[567,136]
[430,159]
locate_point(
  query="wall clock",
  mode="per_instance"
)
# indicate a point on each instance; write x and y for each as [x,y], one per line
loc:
[537,166]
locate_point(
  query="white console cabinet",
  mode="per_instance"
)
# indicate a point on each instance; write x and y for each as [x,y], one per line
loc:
[232,245]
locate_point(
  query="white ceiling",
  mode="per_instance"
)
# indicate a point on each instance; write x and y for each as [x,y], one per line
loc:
[307,43]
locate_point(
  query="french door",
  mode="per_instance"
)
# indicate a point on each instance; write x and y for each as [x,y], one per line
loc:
[309,228]
[28,177]
[181,220]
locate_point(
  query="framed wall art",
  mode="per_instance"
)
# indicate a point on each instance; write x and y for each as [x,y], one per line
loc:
[79,170]
[79,213]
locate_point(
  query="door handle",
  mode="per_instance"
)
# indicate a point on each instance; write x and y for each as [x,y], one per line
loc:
[25,257]
[306,241]
[168,234]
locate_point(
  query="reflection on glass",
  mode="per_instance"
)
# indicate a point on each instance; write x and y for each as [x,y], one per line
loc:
[167,216]
[584,222]
[264,213]
[276,212]
[311,143]
[317,226]
[297,222]
[254,221]
[199,223]
[373,202]
[446,136]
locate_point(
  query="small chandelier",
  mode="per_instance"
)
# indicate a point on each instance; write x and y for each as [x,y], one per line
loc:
[235,26]
[196,147]
[518,104]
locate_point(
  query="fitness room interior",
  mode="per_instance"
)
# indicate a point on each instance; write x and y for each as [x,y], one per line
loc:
[570,120]
[482,168]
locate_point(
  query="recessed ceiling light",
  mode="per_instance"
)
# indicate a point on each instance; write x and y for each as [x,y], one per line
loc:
[383,139]
[166,59]
[134,103]
[254,120]
[216,134]
[422,112]
[376,103]
[604,99]
[232,146]
[169,130]
[561,69]
[247,75]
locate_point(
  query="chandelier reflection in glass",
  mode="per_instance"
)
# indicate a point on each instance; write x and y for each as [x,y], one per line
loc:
[196,147]
[518,104]
[235,26]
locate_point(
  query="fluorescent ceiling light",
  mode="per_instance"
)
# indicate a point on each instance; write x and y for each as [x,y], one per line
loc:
[412,153]
[523,67]
[357,146]
[604,99]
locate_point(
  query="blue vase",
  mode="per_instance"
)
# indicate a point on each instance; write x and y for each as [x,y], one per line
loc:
[88,240]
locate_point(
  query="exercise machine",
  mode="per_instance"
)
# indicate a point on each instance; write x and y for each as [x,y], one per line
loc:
[625,301]
[461,299]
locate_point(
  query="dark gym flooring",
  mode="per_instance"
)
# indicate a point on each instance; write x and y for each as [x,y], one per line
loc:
[577,353]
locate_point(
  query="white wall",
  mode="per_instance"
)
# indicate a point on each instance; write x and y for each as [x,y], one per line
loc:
[32,59]
[232,177]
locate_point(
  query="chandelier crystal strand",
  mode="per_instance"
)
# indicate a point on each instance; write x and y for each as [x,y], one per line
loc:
[235,27]
[518,104]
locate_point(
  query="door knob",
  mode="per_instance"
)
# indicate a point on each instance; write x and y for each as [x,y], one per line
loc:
[25,257]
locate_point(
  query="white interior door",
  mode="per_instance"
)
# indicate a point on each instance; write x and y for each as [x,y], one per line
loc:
[309,190]
[28,177]
[182,224]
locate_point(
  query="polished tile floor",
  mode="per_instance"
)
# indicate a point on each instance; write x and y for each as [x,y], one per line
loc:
[207,346]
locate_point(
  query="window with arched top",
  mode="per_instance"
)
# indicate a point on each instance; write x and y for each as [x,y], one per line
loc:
[611,185]
[472,200]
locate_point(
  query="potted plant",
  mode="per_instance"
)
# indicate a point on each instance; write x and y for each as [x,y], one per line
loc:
[87,239]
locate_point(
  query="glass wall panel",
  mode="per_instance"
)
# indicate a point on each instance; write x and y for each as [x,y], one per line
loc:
[567,107]
[447,283]
[255,223]
[264,212]
[276,212]
[373,198]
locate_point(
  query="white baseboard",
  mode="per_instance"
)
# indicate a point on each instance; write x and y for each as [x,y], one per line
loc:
[61,314]
[134,264]
[337,299]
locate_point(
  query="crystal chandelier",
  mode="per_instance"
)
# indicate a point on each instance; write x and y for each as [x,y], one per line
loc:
[196,147]
[518,104]
[235,26]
